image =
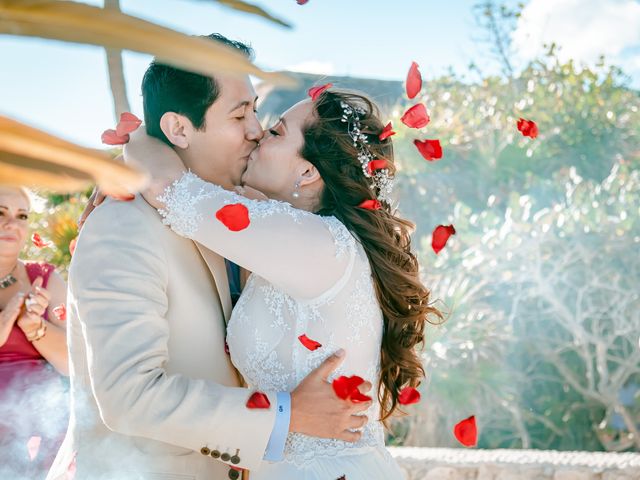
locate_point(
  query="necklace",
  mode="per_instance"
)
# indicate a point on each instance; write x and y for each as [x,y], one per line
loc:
[8,280]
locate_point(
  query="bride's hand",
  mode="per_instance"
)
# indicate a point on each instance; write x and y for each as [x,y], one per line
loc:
[158,158]
[250,193]
[97,197]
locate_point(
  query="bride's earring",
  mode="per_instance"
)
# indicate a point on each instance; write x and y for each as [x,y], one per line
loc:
[296,192]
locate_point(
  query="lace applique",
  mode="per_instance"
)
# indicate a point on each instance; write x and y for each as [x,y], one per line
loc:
[181,200]
[263,369]
[342,237]
[361,309]
[277,301]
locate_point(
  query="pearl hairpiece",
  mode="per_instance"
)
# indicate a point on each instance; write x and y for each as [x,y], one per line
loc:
[371,167]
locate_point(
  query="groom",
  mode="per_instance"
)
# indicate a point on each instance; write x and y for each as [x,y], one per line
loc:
[153,392]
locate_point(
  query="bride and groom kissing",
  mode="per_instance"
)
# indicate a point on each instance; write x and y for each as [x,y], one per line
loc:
[171,381]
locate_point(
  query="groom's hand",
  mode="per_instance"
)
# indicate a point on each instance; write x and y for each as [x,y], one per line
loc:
[317,411]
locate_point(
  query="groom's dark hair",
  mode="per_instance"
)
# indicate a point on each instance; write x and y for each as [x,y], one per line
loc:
[169,89]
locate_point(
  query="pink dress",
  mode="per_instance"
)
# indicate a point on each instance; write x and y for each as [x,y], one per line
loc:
[33,402]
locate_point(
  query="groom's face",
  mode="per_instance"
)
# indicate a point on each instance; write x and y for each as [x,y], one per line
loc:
[219,152]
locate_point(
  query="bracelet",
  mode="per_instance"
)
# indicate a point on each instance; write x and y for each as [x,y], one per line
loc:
[39,333]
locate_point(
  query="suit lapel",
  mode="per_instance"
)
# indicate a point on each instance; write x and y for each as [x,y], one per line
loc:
[218,271]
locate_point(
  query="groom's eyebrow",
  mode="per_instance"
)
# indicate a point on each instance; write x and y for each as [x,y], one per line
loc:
[244,103]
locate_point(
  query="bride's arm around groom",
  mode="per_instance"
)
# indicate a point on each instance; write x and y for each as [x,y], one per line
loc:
[143,314]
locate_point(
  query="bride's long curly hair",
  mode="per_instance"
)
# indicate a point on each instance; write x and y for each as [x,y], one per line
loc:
[385,236]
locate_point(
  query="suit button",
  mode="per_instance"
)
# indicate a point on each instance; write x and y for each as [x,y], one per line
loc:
[235,459]
[225,457]
[234,474]
[205,451]
[215,453]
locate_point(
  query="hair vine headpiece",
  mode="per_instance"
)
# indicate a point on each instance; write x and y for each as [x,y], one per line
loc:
[372,167]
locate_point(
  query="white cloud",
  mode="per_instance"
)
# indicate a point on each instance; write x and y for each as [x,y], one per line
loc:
[584,29]
[313,66]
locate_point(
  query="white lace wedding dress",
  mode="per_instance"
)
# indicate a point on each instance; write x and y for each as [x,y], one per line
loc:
[310,276]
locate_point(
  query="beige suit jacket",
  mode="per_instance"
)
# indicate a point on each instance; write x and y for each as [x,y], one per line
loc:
[152,389]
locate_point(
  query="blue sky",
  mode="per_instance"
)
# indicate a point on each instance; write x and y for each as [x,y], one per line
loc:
[63,88]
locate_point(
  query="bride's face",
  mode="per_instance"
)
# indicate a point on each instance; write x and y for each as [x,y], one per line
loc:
[276,165]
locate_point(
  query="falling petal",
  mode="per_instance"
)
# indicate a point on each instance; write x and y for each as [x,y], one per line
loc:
[371,205]
[414,80]
[416,116]
[123,198]
[466,432]
[258,400]
[314,92]
[33,446]
[387,132]
[235,217]
[408,396]
[429,149]
[128,123]
[528,128]
[110,137]
[72,246]
[440,236]
[60,312]
[374,165]
[346,386]
[71,469]
[38,242]
[310,344]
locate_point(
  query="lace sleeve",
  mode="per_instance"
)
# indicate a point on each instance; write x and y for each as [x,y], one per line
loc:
[300,252]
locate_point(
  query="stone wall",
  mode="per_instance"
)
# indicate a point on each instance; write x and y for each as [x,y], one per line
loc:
[462,464]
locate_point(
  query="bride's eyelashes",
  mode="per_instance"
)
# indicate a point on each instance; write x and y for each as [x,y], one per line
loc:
[274,132]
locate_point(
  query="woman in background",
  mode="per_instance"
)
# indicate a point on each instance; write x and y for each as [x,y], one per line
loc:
[33,349]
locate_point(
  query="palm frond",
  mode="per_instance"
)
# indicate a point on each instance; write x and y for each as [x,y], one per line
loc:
[81,23]
[34,158]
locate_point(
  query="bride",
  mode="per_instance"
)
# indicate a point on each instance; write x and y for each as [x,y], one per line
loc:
[331,264]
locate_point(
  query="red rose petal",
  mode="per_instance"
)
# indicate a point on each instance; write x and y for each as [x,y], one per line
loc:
[414,80]
[374,165]
[387,131]
[110,137]
[127,124]
[123,198]
[310,344]
[314,92]
[416,116]
[408,396]
[33,446]
[346,386]
[61,312]
[466,432]
[72,246]
[71,469]
[235,217]
[258,400]
[301,2]
[440,236]
[429,149]
[528,128]
[371,205]
[38,242]
[358,397]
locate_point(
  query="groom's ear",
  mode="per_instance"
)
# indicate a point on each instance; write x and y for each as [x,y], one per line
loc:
[177,129]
